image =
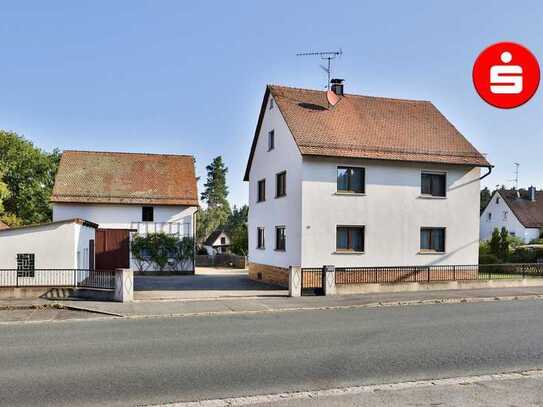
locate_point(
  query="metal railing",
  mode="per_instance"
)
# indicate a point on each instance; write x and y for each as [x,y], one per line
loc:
[57,278]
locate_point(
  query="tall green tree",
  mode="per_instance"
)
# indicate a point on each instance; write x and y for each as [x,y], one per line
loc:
[29,174]
[485,198]
[215,196]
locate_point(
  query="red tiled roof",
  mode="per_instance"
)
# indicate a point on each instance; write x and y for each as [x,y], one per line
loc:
[529,213]
[369,127]
[125,178]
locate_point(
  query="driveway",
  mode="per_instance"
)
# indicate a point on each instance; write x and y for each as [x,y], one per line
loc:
[208,282]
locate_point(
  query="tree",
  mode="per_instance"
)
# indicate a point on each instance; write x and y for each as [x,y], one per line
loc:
[29,174]
[4,192]
[494,243]
[215,195]
[485,198]
[237,229]
[504,244]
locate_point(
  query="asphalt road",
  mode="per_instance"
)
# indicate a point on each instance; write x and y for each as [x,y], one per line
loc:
[129,362]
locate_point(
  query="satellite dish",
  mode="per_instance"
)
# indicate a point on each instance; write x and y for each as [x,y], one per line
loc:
[332,98]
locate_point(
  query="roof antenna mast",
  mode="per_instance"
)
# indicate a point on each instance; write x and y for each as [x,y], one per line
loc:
[328,55]
[515,180]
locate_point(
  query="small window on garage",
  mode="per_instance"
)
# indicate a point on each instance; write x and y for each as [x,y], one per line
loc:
[147,214]
[25,265]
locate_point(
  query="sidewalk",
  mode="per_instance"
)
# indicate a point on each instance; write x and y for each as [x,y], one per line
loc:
[142,309]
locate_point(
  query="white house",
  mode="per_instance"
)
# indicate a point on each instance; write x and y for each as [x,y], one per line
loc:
[519,211]
[34,251]
[126,193]
[218,242]
[351,180]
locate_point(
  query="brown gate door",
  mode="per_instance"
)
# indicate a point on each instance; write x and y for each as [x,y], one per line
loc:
[112,249]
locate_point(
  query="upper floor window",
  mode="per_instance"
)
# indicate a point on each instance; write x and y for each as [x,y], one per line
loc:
[281,184]
[504,215]
[261,190]
[351,179]
[25,264]
[432,240]
[223,240]
[350,238]
[271,140]
[433,183]
[280,238]
[271,103]
[260,238]
[147,214]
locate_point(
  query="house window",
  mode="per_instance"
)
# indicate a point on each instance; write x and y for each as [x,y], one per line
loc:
[271,140]
[432,240]
[351,179]
[489,216]
[505,215]
[350,238]
[261,190]
[25,265]
[223,240]
[497,200]
[433,184]
[280,238]
[147,214]
[281,184]
[271,103]
[260,238]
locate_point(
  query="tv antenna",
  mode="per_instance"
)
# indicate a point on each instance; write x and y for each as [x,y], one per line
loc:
[328,55]
[515,180]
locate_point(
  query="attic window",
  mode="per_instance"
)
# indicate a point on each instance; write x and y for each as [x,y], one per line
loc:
[271,140]
[497,200]
[147,214]
[271,103]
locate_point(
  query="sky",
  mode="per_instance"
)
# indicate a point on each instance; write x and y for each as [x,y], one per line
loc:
[184,77]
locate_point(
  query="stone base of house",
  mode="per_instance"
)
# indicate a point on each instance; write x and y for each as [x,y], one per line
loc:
[268,274]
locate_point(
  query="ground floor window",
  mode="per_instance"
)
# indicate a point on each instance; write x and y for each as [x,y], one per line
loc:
[280,238]
[432,240]
[350,238]
[25,264]
[260,238]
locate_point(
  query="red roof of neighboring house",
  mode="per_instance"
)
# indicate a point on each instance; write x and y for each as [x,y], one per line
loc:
[369,127]
[3,225]
[125,178]
[529,213]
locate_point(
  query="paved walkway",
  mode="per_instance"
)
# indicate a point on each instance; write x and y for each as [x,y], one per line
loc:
[207,283]
[278,304]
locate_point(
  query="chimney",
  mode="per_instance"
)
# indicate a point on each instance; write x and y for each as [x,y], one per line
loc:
[337,86]
[531,193]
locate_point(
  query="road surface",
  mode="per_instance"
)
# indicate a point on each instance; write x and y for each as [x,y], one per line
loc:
[144,361]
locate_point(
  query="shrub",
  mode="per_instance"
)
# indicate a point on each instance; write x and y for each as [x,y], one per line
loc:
[160,249]
[488,259]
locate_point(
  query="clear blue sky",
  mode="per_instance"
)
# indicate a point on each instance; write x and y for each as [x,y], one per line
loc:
[188,77]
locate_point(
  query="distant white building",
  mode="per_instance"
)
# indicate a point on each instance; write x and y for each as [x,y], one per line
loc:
[218,242]
[519,211]
[351,180]
[126,193]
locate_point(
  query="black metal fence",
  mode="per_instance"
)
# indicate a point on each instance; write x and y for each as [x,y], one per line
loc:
[57,278]
[312,277]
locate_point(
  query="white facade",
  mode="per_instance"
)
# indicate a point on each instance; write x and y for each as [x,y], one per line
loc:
[391,210]
[215,247]
[176,219]
[497,214]
[62,246]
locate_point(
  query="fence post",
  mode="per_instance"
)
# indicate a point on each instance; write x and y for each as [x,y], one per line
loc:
[428,274]
[124,285]
[294,281]
[329,280]
[454,273]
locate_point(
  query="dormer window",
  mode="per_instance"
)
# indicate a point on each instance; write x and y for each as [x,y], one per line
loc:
[271,140]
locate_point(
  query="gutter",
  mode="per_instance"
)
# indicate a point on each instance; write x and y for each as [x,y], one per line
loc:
[489,167]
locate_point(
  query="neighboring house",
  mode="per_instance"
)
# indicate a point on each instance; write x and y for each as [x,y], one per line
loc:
[126,193]
[351,180]
[218,242]
[64,246]
[519,211]
[3,225]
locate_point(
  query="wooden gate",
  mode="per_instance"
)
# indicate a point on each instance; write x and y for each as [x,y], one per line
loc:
[112,248]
